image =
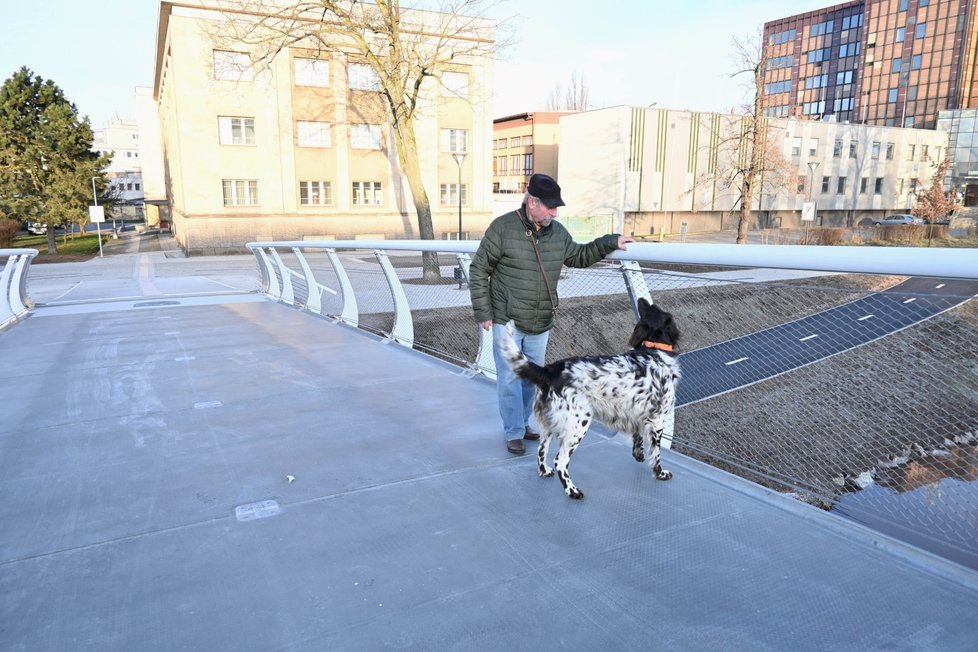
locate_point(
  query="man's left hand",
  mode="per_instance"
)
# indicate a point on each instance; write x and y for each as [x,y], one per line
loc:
[623,240]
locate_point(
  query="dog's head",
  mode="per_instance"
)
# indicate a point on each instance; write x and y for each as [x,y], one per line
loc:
[654,325]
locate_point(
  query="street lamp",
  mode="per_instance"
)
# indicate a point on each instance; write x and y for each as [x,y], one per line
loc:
[812,165]
[459,159]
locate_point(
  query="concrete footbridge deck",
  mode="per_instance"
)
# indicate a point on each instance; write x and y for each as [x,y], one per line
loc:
[186,465]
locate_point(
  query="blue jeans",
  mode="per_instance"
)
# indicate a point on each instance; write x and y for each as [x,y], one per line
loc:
[516,396]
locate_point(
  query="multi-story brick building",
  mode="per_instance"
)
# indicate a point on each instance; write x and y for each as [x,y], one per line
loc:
[879,62]
[303,148]
[524,144]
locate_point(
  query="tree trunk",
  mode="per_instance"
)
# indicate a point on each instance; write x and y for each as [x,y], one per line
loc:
[52,241]
[747,199]
[407,150]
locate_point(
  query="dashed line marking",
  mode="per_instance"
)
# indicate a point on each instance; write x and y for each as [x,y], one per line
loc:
[910,300]
[810,337]
[735,361]
[865,317]
[185,358]
[939,286]
[204,405]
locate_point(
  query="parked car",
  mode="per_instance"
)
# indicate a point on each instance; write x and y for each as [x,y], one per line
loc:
[898,219]
[37,228]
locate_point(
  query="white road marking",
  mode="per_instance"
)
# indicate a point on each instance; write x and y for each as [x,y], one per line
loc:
[939,286]
[810,337]
[207,404]
[185,358]
[866,317]
[910,300]
[735,361]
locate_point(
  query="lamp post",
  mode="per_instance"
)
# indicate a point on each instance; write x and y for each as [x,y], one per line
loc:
[812,166]
[98,225]
[459,159]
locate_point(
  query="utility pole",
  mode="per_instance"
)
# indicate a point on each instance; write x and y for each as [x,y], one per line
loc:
[98,225]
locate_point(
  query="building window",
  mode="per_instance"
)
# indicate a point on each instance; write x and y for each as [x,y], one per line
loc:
[311,72]
[875,151]
[901,34]
[911,150]
[514,142]
[878,188]
[363,77]
[232,66]
[501,165]
[844,77]
[840,186]
[455,84]
[825,184]
[903,5]
[913,185]
[240,192]
[837,149]
[313,134]
[796,146]
[454,140]
[527,141]
[528,164]
[365,136]
[514,163]
[899,186]
[892,95]
[889,151]
[315,193]
[852,148]
[862,185]
[368,193]
[897,65]
[449,194]
[236,131]
[921,30]
[812,146]
[915,62]
[923,153]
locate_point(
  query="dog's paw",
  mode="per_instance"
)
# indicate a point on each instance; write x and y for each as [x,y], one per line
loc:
[663,475]
[575,493]
[638,455]
[545,472]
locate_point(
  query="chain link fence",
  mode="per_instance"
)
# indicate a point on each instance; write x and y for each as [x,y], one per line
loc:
[852,392]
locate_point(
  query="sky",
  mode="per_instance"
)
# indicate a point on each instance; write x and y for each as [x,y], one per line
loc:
[674,54]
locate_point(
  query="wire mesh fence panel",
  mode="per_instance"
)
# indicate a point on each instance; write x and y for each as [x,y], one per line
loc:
[852,392]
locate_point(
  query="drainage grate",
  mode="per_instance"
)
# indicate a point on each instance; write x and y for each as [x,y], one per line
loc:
[255,511]
[154,304]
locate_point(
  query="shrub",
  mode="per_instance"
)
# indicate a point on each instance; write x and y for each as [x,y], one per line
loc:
[8,231]
[831,236]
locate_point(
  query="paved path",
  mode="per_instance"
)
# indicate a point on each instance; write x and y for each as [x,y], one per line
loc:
[184,465]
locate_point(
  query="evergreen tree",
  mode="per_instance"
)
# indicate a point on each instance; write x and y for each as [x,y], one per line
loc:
[46,157]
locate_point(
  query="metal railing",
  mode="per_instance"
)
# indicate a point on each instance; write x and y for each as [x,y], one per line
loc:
[14,302]
[845,376]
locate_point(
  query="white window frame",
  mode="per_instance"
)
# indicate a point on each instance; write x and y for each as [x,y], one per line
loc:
[368,193]
[455,140]
[236,130]
[365,136]
[240,192]
[232,66]
[454,84]
[313,134]
[449,194]
[363,77]
[315,193]
[311,72]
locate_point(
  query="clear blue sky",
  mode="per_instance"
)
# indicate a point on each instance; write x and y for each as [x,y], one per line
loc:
[675,53]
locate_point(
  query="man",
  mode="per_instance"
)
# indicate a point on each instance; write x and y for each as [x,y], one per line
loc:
[514,277]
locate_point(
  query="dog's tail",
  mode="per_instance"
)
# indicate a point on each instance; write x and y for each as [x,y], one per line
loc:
[521,366]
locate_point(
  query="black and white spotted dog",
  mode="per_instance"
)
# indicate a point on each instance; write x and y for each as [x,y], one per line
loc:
[631,391]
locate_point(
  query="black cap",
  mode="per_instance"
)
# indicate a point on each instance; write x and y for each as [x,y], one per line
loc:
[546,190]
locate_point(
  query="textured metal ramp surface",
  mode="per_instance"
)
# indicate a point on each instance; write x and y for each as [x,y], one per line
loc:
[382,511]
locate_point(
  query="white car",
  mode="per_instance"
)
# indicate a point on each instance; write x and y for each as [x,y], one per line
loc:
[898,219]
[37,228]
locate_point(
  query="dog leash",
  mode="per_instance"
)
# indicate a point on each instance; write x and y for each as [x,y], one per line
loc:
[543,273]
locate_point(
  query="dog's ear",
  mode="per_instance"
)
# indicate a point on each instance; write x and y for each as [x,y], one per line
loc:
[643,305]
[639,334]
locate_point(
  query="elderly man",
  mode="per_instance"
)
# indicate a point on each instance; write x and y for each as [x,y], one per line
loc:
[514,277]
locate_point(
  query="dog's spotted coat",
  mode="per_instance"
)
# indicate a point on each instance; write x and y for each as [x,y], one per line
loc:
[631,392]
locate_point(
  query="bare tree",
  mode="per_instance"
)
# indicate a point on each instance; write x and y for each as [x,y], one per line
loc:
[745,152]
[575,98]
[758,154]
[934,205]
[409,50]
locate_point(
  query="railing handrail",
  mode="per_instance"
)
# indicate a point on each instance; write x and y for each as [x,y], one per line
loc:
[939,262]
[14,302]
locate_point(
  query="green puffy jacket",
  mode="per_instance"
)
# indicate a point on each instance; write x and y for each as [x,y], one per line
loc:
[505,279]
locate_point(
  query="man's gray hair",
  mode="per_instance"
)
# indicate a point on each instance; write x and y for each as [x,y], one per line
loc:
[526,197]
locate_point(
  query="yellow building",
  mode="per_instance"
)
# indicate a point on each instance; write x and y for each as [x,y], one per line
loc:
[524,144]
[302,148]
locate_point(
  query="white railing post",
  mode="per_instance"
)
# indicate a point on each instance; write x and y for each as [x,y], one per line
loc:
[350,314]
[635,283]
[288,295]
[272,287]
[485,363]
[403,331]
[14,302]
